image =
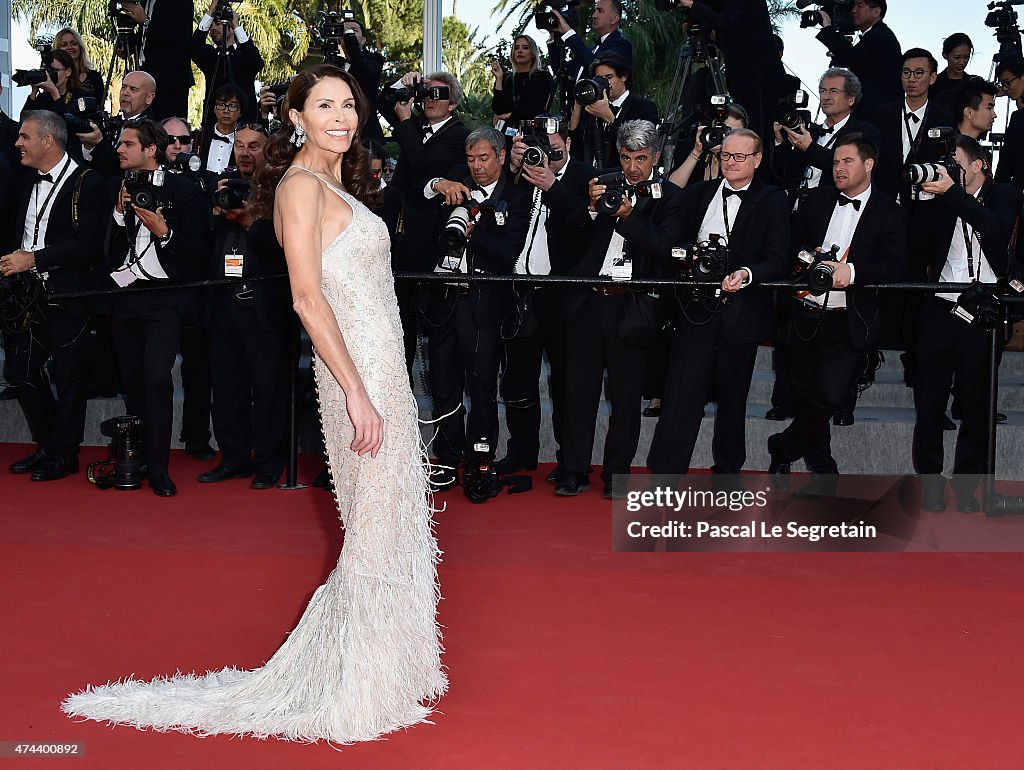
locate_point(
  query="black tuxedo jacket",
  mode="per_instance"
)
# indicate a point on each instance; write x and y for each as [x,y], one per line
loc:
[168,45]
[583,56]
[71,251]
[366,67]
[887,175]
[759,241]
[993,214]
[584,138]
[492,249]
[245,64]
[820,157]
[877,60]
[650,231]
[1011,156]
[104,157]
[566,196]
[8,136]
[418,220]
[878,252]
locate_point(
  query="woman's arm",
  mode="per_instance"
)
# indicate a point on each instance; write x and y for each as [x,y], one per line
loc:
[299,219]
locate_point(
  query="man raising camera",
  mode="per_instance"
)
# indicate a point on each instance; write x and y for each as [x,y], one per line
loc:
[874,59]
[138,91]
[559,187]
[464,319]
[59,216]
[631,238]
[746,226]
[968,236]
[852,234]
[604,23]
[366,67]
[155,234]
[164,54]
[233,57]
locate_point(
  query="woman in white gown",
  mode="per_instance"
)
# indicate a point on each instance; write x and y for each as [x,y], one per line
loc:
[364,659]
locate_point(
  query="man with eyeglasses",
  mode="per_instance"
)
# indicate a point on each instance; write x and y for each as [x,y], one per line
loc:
[718,327]
[218,138]
[233,57]
[968,238]
[828,334]
[874,59]
[1010,74]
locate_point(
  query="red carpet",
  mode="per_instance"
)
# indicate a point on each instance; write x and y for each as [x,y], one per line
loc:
[561,653]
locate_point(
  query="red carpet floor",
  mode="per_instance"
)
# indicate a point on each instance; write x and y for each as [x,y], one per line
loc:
[561,653]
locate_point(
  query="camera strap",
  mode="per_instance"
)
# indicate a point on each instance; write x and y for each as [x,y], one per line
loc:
[40,213]
[970,252]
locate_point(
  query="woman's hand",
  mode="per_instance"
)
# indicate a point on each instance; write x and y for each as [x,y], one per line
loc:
[368,424]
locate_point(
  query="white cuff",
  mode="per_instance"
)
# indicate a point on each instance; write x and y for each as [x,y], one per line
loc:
[750,277]
[853,272]
[240,35]
[429,192]
[567,35]
[87,152]
[206,23]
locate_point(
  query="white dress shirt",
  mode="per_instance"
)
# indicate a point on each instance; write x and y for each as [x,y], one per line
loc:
[40,204]
[813,175]
[146,264]
[240,35]
[841,228]
[911,128]
[955,269]
[220,151]
[714,219]
[535,255]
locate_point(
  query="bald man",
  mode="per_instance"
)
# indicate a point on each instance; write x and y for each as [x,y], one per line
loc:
[136,97]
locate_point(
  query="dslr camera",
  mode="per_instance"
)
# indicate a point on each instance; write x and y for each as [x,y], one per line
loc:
[144,188]
[811,269]
[592,89]
[454,237]
[419,92]
[545,19]
[791,111]
[45,71]
[83,111]
[223,13]
[706,261]
[480,482]
[716,112]
[535,134]
[838,10]
[233,194]
[619,187]
[123,469]
[186,163]
[919,173]
[979,303]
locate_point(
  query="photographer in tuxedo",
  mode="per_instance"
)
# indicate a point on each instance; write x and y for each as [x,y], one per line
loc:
[595,126]
[718,327]
[631,242]
[608,38]
[163,243]
[58,211]
[138,91]
[559,187]
[366,66]
[828,333]
[874,58]
[240,64]
[164,54]
[969,238]
[463,320]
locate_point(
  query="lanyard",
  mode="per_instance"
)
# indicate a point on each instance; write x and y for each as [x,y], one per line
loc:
[970,253]
[725,216]
[46,202]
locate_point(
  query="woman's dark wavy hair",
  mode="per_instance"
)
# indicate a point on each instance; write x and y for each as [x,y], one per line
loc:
[279,152]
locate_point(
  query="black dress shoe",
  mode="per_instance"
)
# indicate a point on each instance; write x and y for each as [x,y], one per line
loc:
[947,423]
[933,502]
[323,479]
[611,493]
[30,463]
[556,475]
[652,411]
[508,465]
[776,465]
[572,484]
[1000,417]
[222,473]
[9,393]
[264,480]
[967,502]
[843,419]
[55,467]
[162,486]
[201,450]
[776,413]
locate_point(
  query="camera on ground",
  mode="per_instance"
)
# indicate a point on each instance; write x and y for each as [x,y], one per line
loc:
[480,480]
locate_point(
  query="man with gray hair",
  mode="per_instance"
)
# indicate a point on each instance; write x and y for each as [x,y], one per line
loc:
[630,226]
[59,216]
[487,217]
[808,150]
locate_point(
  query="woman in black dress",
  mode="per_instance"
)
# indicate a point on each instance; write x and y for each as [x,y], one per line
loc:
[957,50]
[90,81]
[522,93]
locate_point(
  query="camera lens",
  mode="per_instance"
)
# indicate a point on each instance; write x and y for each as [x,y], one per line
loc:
[533,156]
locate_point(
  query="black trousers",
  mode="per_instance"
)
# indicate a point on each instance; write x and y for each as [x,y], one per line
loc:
[196,384]
[56,424]
[405,294]
[520,383]
[147,335]
[464,356]
[593,345]
[822,362]
[250,369]
[947,346]
[702,360]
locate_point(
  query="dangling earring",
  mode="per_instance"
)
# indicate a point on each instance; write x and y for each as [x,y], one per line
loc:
[299,137]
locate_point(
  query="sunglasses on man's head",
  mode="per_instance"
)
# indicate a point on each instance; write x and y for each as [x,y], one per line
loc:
[261,128]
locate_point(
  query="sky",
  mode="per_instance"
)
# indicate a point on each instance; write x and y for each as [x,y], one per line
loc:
[921,23]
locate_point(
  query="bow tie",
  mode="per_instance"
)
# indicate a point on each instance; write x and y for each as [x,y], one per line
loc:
[44,178]
[843,200]
[913,117]
[428,131]
[826,130]
[726,192]
[220,138]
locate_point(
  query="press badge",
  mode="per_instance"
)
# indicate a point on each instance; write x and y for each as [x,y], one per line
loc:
[233,265]
[123,277]
[622,269]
